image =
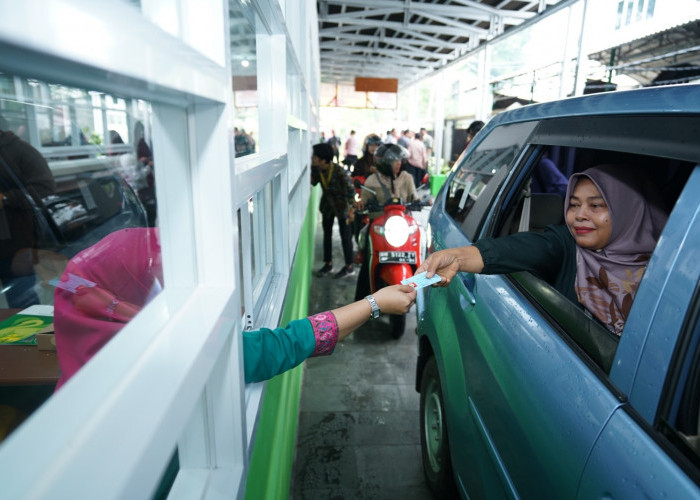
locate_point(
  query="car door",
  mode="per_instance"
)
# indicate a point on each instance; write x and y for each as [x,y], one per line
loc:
[650,445]
[455,219]
[514,388]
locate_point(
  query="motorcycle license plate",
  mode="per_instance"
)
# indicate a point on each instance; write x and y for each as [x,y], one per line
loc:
[399,257]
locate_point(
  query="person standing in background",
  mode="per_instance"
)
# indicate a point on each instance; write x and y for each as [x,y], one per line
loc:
[146,194]
[336,203]
[417,159]
[352,150]
[334,141]
[405,139]
[25,180]
[427,142]
[472,130]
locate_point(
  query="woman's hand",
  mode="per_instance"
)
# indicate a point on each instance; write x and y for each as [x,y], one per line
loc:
[99,303]
[396,299]
[447,263]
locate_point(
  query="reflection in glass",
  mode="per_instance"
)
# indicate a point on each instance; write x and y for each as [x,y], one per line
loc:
[77,210]
[244,68]
[101,290]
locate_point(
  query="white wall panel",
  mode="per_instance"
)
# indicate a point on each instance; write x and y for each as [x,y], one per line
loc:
[172,378]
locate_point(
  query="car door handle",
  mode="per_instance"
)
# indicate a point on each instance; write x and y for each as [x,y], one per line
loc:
[467,299]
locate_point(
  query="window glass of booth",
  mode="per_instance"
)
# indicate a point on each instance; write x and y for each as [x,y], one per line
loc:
[243,21]
[262,244]
[79,245]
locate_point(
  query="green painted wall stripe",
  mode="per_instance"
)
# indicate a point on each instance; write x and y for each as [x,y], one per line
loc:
[270,472]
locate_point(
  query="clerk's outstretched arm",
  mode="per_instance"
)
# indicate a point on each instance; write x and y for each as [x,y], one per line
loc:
[395,299]
[268,352]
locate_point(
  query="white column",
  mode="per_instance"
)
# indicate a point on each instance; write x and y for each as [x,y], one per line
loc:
[439,92]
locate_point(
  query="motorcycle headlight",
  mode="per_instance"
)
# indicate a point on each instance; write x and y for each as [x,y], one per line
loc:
[396,231]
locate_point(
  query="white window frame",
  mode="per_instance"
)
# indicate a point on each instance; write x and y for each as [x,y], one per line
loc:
[173,376]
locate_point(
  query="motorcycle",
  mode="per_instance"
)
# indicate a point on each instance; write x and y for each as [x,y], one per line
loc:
[394,249]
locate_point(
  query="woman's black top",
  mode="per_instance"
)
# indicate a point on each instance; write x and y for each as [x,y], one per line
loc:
[550,255]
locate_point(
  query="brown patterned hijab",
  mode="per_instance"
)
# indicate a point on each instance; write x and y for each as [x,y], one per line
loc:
[607,279]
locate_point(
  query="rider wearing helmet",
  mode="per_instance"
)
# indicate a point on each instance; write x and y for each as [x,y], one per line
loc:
[365,165]
[389,181]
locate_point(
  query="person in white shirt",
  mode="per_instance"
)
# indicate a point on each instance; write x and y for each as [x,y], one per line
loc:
[352,150]
[427,141]
[417,161]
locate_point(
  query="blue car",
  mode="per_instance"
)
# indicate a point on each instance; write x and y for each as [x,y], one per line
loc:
[524,394]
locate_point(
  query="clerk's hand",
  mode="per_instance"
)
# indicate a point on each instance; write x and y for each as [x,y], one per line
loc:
[99,303]
[396,299]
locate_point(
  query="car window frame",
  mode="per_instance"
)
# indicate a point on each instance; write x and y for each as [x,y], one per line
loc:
[686,351]
[571,322]
[473,223]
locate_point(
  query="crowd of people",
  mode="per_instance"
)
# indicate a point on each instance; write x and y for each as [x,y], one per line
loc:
[419,146]
[391,167]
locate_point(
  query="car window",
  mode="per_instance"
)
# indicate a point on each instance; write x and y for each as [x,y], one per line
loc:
[536,200]
[679,413]
[580,329]
[481,173]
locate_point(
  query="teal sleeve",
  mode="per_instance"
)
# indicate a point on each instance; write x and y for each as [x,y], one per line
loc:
[267,352]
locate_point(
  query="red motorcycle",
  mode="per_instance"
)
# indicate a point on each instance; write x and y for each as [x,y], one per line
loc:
[394,251]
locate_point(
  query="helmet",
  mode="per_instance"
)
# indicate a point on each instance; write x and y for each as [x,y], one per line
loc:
[371,140]
[385,157]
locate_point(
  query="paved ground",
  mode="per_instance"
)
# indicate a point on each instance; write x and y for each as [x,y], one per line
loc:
[359,424]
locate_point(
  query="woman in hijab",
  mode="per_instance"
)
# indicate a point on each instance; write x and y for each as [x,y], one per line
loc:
[106,285]
[614,218]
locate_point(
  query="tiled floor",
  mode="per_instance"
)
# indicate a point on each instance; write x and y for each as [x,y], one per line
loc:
[359,425]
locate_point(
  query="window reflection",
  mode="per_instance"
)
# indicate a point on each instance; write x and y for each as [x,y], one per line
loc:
[244,69]
[79,253]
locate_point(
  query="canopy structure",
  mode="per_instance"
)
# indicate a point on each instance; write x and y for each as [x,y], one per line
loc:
[663,58]
[409,39]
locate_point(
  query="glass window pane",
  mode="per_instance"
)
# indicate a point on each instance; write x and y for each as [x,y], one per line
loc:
[79,250]
[244,69]
[479,175]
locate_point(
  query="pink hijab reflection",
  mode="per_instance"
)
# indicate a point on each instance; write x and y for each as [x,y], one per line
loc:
[101,289]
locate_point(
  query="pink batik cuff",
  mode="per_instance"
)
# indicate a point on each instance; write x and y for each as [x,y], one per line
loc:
[325,328]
